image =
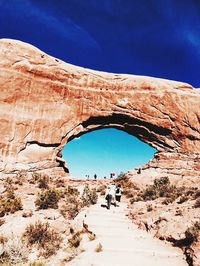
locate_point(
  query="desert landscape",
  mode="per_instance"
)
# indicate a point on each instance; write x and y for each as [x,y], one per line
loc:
[48,218]
[62,221]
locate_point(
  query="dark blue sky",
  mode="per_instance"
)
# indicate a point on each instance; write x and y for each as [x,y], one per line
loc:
[158,38]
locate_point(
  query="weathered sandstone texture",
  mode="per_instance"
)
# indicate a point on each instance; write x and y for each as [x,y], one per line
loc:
[44,103]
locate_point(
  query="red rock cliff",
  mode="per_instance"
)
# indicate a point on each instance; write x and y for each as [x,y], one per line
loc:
[45,102]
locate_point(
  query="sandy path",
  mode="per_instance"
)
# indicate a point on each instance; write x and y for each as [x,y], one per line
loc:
[123,244]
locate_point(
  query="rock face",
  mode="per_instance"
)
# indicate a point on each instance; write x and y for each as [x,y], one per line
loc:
[44,103]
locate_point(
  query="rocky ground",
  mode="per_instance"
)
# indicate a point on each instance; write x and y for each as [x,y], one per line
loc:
[168,208]
[119,242]
[37,218]
[46,221]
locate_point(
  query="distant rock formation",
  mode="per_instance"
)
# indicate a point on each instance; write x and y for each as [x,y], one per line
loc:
[44,103]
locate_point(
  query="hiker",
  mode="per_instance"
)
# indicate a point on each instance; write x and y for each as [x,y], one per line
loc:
[139,171]
[118,193]
[110,196]
[95,176]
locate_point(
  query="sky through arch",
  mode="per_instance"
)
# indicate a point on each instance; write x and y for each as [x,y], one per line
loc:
[105,151]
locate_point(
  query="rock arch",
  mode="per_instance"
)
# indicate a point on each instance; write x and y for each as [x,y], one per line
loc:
[44,103]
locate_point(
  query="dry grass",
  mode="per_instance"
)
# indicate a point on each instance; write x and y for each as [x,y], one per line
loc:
[72,202]
[2,221]
[59,182]
[3,239]
[21,177]
[75,240]
[99,248]
[89,196]
[101,189]
[14,252]
[92,236]
[48,199]
[162,188]
[43,181]
[197,203]
[46,239]
[71,210]
[9,203]
[36,263]
[27,214]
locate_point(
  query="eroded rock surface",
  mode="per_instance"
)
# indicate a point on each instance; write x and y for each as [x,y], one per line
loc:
[45,102]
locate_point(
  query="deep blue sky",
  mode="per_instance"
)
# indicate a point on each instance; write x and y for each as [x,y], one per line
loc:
[159,38]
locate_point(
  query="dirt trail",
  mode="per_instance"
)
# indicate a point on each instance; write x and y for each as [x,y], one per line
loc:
[123,243]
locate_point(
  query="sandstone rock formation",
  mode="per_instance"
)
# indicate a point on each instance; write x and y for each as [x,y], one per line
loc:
[44,103]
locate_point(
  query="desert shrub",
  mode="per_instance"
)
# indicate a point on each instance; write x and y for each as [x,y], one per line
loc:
[89,196]
[27,214]
[149,207]
[43,181]
[197,203]
[160,188]
[14,252]
[36,263]
[182,199]
[167,201]
[197,194]
[159,183]
[2,221]
[3,239]
[71,207]
[102,189]
[72,191]
[35,177]
[178,212]
[92,236]
[75,240]
[8,184]
[127,184]
[9,203]
[48,199]
[59,182]
[21,177]
[46,239]
[121,176]
[129,193]
[192,233]
[150,193]
[72,202]
[99,248]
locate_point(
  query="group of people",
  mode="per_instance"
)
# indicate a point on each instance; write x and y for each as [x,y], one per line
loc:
[113,195]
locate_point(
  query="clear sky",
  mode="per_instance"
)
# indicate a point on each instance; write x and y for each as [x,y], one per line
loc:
[159,38]
[146,37]
[105,151]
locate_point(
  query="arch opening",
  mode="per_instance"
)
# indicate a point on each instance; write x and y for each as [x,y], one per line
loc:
[104,152]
